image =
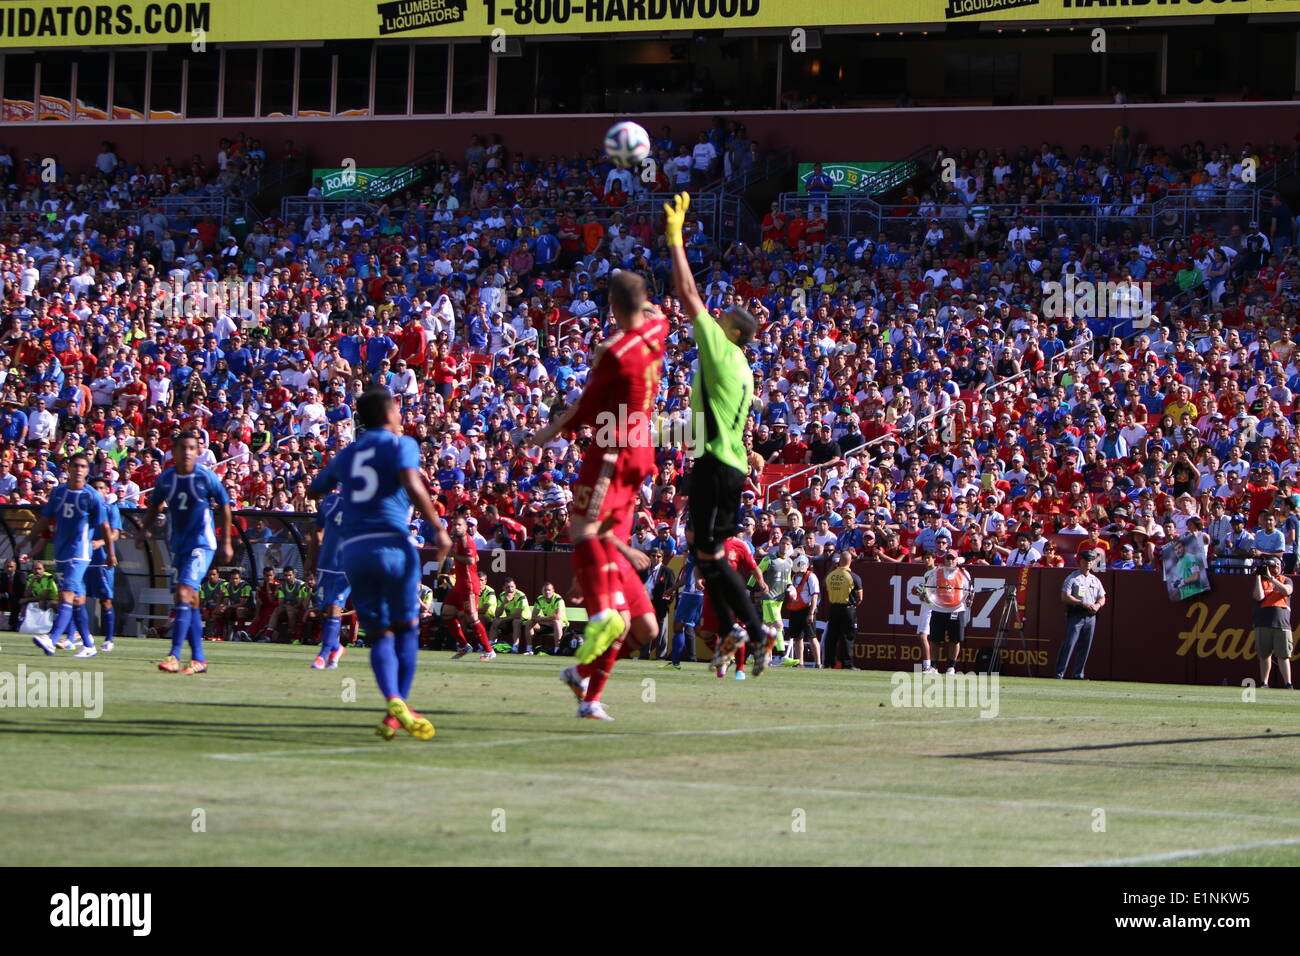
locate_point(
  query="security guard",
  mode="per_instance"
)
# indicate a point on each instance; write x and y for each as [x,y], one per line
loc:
[843,592]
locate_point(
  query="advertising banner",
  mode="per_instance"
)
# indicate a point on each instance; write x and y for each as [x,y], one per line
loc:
[847,177]
[58,23]
[341,183]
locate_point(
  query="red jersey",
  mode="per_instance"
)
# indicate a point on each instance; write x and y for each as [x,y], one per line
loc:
[623,384]
[466,574]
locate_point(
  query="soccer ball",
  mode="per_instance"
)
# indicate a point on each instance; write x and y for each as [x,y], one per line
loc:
[627,144]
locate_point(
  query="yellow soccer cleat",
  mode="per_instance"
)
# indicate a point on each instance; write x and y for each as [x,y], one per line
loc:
[196,667]
[599,635]
[411,722]
[170,664]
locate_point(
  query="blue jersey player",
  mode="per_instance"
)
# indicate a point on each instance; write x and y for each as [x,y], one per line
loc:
[379,478]
[332,588]
[100,575]
[190,494]
[79,514]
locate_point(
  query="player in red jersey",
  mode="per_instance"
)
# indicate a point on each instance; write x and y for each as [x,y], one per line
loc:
[619,394]
[741,558]
[460,607]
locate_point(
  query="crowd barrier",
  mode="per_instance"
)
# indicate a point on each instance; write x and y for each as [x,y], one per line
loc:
[1141,634]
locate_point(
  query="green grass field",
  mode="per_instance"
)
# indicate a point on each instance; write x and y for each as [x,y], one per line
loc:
[711,771]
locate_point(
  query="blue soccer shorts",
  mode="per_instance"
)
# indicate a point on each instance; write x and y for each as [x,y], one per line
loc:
[72,575]
[690,604]
[190,566]
[99,581]
[332,589]
[384,571]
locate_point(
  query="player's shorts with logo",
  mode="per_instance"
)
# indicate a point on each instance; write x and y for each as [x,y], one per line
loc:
[607,485]
[332,589]
[189,566]
[72,575]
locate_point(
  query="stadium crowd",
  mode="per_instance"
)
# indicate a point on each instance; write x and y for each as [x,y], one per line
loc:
[944,406]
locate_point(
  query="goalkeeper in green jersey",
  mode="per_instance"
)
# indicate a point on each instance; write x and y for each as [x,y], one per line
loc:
[721,396]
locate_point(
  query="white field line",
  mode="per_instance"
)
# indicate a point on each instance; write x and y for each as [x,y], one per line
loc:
[1183,854]
[584,737]
[641,783]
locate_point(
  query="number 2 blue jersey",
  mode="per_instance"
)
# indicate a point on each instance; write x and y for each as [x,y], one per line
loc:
[366,472]
[99,557]
[189,499]
[329,518]
[76,514]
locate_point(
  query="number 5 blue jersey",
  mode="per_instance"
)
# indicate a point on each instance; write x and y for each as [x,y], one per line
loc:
[329,518]
[366,472]
[76,514]
[99,557]
[189,499]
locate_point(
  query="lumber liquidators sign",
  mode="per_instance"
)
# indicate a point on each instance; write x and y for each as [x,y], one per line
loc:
[59,23]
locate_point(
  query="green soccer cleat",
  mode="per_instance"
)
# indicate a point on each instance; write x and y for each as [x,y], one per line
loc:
[600,634]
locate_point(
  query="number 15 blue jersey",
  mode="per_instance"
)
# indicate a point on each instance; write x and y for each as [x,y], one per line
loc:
[77,514]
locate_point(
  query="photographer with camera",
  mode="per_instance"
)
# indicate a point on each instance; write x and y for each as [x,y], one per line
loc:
[1272,619]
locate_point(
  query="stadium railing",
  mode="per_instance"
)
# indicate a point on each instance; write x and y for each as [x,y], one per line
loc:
[1172,215]
[295,208]
[790,478]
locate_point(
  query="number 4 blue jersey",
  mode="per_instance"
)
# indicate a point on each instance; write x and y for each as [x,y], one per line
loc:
[189,499]
[366,472]
[99,557]
[329,518]
[77,513]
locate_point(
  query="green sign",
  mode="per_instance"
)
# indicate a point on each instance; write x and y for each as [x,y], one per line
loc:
[346,183]
[859,178]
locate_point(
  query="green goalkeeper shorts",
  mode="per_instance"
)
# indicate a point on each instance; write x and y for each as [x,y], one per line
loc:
[772,612]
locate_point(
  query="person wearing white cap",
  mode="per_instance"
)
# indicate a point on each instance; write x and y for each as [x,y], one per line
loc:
[802,607]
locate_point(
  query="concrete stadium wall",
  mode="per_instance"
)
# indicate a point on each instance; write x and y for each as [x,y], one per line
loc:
[830,134]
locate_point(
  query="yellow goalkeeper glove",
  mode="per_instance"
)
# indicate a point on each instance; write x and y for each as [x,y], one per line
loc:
[675,213]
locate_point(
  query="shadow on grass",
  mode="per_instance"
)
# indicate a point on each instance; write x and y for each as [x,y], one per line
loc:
[1080,749]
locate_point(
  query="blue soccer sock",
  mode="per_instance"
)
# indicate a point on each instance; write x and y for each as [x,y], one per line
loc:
[81,618]
[110,621]
[180,627]
[196,635]
[329,636]
[679,645]
[407,638]
[62,619]
[383,661]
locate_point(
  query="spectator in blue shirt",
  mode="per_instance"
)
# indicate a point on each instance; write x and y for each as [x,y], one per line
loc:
[1269,539]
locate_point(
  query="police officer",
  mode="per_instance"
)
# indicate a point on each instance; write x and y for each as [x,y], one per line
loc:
[843,592]
[1083,596]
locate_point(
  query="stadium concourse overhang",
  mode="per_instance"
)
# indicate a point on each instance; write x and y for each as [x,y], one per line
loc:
[912,72]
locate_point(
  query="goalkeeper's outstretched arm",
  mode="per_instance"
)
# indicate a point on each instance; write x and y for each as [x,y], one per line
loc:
[683,280]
